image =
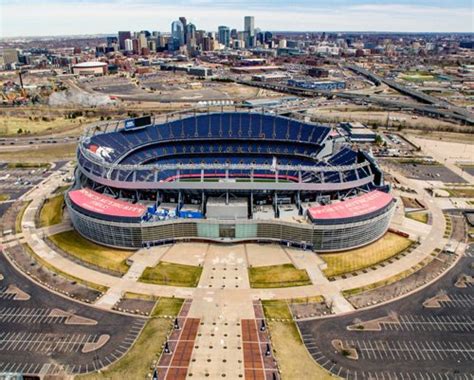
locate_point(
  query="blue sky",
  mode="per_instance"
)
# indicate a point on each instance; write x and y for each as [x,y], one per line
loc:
[55,17]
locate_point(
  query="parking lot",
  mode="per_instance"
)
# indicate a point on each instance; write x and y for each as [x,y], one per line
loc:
[43,333]
[412,338]
[431,173]
[14,182]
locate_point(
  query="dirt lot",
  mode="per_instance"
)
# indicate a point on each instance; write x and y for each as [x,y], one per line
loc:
[380,118]
[44,153]
[19,126]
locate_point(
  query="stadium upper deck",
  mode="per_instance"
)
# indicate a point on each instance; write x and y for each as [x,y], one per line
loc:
[251,151]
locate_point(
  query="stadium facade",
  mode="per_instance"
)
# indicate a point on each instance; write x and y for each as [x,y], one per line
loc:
[226,177]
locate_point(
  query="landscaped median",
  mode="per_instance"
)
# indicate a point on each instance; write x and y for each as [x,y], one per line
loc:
[339,263]
[98,256]
[52,211]
[172,274]
[139,359]
[293,359]
[421,217]
[278,276]
[460,192]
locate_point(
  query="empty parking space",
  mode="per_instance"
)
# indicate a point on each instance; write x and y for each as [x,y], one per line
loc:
[455,323]
[412,350]
[459,300]
[44,343]
[27,315]
[5,294]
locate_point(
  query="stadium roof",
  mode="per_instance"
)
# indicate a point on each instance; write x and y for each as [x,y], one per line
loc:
[361,205]
[90,64]
[105,205]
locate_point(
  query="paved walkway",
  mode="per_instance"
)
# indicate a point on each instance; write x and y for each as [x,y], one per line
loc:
[55,229]
[313,265]
[219,345]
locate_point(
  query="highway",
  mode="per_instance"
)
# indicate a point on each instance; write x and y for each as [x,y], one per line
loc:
[418,95]
[435,110]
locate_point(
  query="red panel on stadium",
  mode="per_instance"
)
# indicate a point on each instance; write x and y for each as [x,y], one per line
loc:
[361,205]
[103,204]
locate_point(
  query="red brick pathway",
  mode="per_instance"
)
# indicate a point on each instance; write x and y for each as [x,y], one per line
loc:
[254,343]
[174,366]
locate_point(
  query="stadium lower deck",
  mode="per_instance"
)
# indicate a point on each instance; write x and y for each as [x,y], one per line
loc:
[229,176]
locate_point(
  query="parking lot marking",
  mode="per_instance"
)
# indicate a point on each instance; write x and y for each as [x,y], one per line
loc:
[5,295]
[28,315]
[413,350]
[454,323]
[42,342]
[459,300]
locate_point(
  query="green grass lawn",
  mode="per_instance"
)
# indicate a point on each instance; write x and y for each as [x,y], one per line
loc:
[52,211]
[418,216]
[418,76]
[167,306]
[350,261]
[277,309]
[172,274]
[103,257]
[278,276]
[467,192]
[293,359]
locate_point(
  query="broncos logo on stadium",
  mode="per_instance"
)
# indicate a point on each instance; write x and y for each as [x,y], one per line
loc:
[101,152]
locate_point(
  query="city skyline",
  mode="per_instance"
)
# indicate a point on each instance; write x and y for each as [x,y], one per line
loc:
[398,16]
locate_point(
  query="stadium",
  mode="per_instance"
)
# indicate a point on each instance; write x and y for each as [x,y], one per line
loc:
[226,177]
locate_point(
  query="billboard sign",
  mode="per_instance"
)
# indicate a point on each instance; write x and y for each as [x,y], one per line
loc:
[137,122]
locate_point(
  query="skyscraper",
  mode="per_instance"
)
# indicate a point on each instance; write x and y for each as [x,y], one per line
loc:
[177,35]
[142,38]
[249,30]
[128,45]
[190,33]
[268,37]
[224,35]
[122,36]
[185,24]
